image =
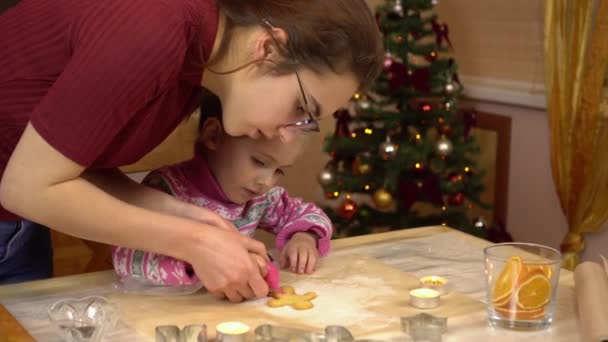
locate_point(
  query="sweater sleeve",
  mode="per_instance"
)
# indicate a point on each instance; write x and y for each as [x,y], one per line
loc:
[152,268]
[286,216]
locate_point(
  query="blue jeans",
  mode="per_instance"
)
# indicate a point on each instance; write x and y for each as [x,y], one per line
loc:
[25,252]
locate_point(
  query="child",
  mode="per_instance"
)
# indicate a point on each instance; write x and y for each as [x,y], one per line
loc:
[236,178]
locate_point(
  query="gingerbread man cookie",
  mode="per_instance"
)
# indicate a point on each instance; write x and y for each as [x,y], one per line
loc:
[289,297]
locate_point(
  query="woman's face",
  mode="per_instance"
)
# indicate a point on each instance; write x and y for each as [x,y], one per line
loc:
[262,105]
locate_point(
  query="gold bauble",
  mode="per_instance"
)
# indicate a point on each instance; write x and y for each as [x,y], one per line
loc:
[382,199]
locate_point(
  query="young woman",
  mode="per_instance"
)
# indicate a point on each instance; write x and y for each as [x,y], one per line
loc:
[87,86]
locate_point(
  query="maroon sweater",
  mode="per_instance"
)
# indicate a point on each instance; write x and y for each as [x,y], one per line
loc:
[103,81]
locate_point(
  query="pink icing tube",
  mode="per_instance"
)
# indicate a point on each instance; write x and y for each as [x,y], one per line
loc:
[272,277]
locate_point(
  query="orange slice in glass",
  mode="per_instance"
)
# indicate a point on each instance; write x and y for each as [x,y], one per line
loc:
[534,293]
[507,280]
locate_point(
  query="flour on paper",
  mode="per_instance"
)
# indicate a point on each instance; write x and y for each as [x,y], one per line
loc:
[339,302]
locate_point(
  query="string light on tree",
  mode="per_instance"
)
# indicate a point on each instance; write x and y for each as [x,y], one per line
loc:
[398,8]
[449,87]
[480,223]
[364,104]
[388,149]
[448,105]
[326,176]
[444,146]
[332,194]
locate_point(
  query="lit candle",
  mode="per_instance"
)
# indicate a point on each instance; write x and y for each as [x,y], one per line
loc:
[424,298]
[436,283]
[231,332]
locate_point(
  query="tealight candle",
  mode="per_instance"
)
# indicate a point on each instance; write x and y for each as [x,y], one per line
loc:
[231,332]
[436,283]
[424,298]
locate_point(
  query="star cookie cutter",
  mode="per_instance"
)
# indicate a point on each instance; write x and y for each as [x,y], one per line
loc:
[424,327]
[190,333]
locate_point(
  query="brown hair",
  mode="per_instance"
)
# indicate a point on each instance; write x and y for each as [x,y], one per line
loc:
[211,107]
[339,35]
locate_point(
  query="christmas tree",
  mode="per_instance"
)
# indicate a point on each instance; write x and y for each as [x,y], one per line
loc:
[402,154]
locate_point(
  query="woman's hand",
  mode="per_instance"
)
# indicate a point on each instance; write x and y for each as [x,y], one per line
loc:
[300,254]
[230,264]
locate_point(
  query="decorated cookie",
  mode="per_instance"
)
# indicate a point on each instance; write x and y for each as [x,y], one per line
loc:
[290,298]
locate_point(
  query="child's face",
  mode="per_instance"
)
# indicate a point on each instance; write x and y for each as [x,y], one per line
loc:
[246,168]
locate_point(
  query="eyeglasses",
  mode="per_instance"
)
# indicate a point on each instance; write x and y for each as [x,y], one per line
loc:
[307,125]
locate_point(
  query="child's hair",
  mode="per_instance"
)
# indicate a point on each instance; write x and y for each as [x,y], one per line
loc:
[211,107]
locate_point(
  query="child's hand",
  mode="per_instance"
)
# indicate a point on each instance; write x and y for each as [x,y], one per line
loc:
[300,253]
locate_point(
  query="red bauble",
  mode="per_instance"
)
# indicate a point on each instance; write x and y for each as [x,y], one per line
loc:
[397,75]
[446,130]
[456,199]
[349,209]
[454,177]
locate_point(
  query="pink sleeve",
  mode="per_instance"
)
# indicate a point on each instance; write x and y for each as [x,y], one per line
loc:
[286,216]
[154,268]
[151,267]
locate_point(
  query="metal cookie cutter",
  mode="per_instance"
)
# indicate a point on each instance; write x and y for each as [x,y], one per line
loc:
[272,333]
[190,333]
[424,327]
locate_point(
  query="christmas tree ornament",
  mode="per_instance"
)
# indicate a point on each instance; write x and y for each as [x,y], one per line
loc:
[332,194]
[398,8]
[417,186]
[349,208]
[361,166]
[456,199]
[444,146]
[397,76]
[480,223]
[388,149]
[421,80]
[441,32]
[388,60]
[343,119]
[454,177]
[326,176]
[382,199]
[445,130]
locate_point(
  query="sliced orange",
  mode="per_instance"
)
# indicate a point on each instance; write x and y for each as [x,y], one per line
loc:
[507,280]
[534,293]
[529,270]
[523,315]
